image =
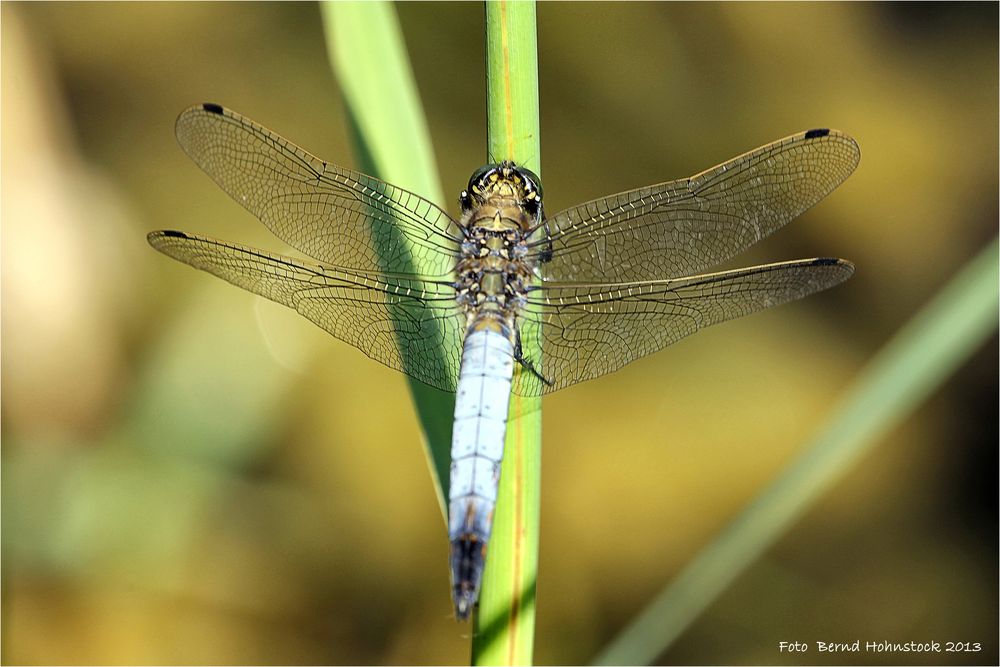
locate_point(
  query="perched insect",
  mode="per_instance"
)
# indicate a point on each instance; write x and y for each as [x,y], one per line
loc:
[594,287]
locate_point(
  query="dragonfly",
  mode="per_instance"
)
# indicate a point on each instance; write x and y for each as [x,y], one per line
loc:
[464,304]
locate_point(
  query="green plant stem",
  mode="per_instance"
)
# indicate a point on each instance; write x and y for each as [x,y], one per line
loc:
[925,352]
[368,56]
[504,623]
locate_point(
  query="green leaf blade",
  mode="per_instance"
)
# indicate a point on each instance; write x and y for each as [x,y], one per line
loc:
[921,356]
[368,56]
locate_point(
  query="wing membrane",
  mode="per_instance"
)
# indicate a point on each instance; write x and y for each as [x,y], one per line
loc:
[603,303]
[692,224]
[591,330]
[406,323]
[332,214]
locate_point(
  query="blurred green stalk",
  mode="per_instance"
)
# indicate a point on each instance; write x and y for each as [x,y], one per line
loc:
[922,355]
[505,621]
[368,56]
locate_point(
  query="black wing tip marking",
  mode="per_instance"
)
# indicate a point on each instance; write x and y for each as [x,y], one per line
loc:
[839,137]
[185,118]
[845,265]
[155,238]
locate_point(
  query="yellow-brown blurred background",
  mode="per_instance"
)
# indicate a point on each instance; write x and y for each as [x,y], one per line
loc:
[193,476]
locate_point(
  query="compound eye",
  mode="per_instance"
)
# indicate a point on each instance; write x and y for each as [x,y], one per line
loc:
[532,178]
[481,173]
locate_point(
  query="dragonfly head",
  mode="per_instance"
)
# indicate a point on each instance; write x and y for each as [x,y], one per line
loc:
[504,180]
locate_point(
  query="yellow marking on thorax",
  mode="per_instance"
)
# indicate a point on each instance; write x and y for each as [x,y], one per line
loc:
[498,218]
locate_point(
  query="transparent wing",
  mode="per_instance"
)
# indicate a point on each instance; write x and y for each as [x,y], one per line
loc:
[589,330]
[332,214]
[406,323]
[690,225]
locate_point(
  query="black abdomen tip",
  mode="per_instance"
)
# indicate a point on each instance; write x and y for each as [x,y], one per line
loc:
[815,134]
[468,557]
[212,108]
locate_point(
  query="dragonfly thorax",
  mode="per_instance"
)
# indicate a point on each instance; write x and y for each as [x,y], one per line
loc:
[501,209]
[493,275]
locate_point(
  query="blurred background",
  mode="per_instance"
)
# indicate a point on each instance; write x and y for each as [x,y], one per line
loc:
[191,475]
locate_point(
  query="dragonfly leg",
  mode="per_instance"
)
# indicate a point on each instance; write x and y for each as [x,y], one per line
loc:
[527,363]
[545,256]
